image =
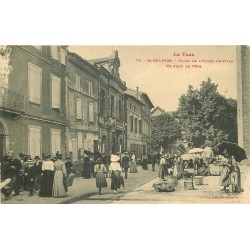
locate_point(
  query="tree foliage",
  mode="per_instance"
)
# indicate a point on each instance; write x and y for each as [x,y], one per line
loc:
[206,117]
[165,130]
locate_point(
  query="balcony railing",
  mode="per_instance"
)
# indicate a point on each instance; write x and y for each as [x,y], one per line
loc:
[11,101]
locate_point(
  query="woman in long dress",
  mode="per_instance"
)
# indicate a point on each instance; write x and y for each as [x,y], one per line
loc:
[225,171]
[133,167]
[235,177]
[48,177]
[60,174]
[115,169]
[145,162]
[100,172]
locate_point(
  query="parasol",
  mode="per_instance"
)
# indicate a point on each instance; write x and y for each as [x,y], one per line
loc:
[208,152]
[187,157]
[233,149]
[195,150]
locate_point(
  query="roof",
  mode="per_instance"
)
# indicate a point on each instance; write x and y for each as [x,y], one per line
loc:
[148,100]
[112,57]
[72,54]
[160,110]
[133,95]
[137,95]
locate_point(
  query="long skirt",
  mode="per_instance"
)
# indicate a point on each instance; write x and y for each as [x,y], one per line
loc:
[115,180]
[101,180]
[236,181]
[87,171]
[145,164]
[58,185]
[225,177]
[47,183]
[133,168]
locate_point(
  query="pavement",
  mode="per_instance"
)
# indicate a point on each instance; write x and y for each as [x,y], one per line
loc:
[82,189]
[139,190]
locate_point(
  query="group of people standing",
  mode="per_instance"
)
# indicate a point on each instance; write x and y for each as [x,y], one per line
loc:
[113,168]
[48,175]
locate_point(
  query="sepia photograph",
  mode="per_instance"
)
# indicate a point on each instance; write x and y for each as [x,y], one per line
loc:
[131,124]
[124,125]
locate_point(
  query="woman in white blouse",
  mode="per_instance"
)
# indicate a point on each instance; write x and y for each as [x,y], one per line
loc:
[115,169]
[48,177]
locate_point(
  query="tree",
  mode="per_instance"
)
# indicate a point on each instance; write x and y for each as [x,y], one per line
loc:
[165,131]
[207,117]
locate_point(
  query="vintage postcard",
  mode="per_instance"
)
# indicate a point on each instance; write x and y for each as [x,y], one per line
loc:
[124,124]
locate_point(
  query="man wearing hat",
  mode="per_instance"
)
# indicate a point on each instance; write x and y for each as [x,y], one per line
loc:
[16,166]
[38,172]
[162,167]
[125,164]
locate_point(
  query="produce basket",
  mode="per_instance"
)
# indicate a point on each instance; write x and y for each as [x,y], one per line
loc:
[166,185]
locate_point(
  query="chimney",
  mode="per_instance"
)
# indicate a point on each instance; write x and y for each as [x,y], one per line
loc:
[137,89]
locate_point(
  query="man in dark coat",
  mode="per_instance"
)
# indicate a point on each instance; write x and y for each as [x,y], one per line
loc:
[125,164]
[16,166]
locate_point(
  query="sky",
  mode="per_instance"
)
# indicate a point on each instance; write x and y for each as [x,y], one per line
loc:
[166,81]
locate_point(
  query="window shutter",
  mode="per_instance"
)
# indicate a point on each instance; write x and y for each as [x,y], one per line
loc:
[54,52]
[55,92]
[79,140]
[91,112]
[78,83]
[63,54]
[78,108]
[90,88]
[35,81]
[34,140]
[55,140]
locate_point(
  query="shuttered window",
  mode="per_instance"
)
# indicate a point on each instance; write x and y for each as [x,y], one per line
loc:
[78,108]
[35,83]
[55,142]
[55,91]
[34,140]
[91,112]
[63,55]
[54,52]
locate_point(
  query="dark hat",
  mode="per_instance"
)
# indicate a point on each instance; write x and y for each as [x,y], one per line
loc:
[46,156]
[37,157]
[6,158]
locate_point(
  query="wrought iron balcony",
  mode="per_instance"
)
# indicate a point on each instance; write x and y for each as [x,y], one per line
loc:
[10,101]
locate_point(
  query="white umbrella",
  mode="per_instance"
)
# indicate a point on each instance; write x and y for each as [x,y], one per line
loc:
[187,157]
[195,150]
[208,152]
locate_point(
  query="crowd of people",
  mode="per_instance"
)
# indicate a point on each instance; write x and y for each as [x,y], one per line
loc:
[49,176]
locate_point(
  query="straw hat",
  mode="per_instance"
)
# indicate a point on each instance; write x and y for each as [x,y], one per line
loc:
[115,158]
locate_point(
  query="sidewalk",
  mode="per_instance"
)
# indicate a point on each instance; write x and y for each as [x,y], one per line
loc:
[84,188]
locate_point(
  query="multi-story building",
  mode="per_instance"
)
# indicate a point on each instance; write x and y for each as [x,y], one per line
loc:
[243,96]
[111,104]
[82,102]
[52,100]
[138,107]
[32,99]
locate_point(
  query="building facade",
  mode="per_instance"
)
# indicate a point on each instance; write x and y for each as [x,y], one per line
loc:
[52,101]
[138,118]
[112,125]
[32,99]
[82,103]
[243,97]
